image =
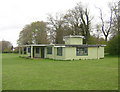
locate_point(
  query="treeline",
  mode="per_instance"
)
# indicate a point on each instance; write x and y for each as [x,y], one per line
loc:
[6,47]
[76,21]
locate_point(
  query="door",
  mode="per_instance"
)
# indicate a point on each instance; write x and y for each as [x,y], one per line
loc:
[42,52]
[33,52]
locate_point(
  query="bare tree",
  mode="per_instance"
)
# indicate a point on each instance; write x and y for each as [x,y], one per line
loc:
[85,25]
[73,19]
[115,25]
[119,27]
[78,19]
[58,28]
[98,32]
[106,30]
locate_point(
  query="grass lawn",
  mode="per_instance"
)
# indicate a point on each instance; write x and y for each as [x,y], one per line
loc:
[44,74]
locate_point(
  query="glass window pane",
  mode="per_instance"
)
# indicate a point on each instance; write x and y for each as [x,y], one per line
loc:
[37,50]
[59,51]
[80,51]
[29,50]
[49,50]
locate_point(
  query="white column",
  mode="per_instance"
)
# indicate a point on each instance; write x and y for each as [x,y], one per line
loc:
[22,51]
[32,52]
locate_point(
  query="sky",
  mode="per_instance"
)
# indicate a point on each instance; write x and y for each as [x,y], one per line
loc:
[15,14]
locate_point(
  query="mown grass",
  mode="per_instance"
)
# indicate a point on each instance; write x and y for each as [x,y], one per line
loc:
[44,74]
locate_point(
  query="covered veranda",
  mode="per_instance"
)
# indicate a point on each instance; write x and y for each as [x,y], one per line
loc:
[31,50]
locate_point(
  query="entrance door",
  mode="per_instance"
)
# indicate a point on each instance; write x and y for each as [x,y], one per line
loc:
[42,52]
[33,52]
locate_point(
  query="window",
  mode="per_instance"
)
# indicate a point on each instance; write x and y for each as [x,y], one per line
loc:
[80,51]
[24,50]
[49,50]
[37,50]
[29,50]
[59,51]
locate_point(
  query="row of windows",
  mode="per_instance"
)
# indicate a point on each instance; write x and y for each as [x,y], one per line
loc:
[49,50]
[59,51]
[79,51]
[37,50]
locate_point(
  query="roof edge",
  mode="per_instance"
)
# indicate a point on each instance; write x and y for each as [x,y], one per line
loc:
[74,36]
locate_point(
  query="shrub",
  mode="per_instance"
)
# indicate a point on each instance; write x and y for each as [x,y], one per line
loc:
[112,45]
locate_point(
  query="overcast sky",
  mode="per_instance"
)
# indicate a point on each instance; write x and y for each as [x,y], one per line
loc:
[15,14]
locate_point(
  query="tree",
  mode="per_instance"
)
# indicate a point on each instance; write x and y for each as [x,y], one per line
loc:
[116,19]
[58,28]
[97,31]
[35,33]
[25,36]
[78,20]
[39,32]
[6,46]
[85,25]
[113,45]
[106,29]
[95,40]
[119,17]
[74,20]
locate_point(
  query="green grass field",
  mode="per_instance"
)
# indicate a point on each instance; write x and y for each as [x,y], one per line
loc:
[44,74]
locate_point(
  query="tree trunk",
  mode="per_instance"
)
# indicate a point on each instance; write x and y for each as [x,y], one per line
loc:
[106,38]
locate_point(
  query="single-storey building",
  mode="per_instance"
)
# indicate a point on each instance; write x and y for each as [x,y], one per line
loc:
[73,49]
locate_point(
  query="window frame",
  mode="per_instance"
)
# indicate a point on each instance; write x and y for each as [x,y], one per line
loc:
[49,50]
[29,50]
[82,51]
[37,50]
[59,51]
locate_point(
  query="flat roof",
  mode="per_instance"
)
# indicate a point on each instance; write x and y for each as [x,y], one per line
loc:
[42,45]
[74,36]
[85,45]
[62,45]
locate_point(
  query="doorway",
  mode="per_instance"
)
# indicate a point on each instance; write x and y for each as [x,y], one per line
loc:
[42,52]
